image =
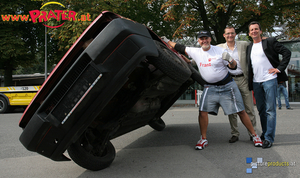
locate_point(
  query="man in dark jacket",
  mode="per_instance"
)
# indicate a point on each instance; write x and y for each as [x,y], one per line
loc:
[264,71]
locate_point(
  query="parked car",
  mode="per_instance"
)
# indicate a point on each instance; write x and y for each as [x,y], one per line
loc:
[117,77]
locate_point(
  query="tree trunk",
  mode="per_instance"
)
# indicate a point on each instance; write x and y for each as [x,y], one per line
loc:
[8,74]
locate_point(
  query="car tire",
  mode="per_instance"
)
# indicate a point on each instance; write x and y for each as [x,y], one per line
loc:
[170,64]
[89,159]
[4,107]
[158,125]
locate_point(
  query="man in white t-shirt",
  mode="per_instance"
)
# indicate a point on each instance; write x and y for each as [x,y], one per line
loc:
[265,70]
[213,63]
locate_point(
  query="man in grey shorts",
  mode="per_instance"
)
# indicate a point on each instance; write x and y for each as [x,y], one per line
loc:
[220,90]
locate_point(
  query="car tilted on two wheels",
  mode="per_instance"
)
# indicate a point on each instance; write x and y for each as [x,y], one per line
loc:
[117,77]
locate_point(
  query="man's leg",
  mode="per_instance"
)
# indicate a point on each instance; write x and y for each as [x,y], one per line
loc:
[234,128]
[203,123]
[286,97]
[233,119]
[279,97]
[248,101]
[246,121]
[270,88]
[259,95]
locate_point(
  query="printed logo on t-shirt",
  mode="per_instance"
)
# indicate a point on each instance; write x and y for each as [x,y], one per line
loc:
[205,65]
[208,64]
[211,59]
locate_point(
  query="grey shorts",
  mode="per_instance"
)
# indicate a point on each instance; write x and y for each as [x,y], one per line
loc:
[227,96]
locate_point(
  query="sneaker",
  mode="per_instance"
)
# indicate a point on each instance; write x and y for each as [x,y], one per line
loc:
[279,108]
[201,144]
[289,108]
[267,144]
[257,141]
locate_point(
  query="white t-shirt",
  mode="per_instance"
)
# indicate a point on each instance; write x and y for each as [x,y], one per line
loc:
[260,64]
[210,63]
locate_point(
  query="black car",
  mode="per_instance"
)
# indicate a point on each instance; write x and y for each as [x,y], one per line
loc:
[117,77]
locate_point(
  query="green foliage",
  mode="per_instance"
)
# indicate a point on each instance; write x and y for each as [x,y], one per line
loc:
[22,44]
[137,10]
[215,15]
[71,30]
[149,14]
[18,39]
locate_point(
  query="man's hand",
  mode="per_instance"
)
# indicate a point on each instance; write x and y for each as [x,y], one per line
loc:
[227,57]
[165,39]
[274,71]
[172,44]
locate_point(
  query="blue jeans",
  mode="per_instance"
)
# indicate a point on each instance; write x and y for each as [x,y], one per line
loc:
[282,89]
[265,94]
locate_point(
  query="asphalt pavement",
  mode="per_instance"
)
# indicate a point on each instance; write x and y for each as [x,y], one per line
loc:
[169,153]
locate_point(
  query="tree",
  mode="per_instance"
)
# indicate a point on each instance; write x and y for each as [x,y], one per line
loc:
[18,39]
[215,15]
[137,10]
[149,14]
[22,43]
[86,11]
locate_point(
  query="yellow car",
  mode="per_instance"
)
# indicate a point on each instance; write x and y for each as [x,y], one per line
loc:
[16,96]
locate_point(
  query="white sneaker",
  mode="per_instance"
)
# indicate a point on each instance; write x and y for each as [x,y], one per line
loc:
[201,144]
[257,141]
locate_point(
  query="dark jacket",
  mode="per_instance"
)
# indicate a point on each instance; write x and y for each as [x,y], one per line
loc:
[272,49]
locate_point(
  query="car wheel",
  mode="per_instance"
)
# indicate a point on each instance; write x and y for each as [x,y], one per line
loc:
[89,156]
[3,105]
[158,125]
[170,64]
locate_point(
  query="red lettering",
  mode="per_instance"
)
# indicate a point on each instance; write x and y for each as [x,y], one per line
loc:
[51,15]
[58,14]
[43,17]
[5,18]
[64,15]
[34,14]
[72,15]
[24,17]
[88,17]
[14,17]
[205,65]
